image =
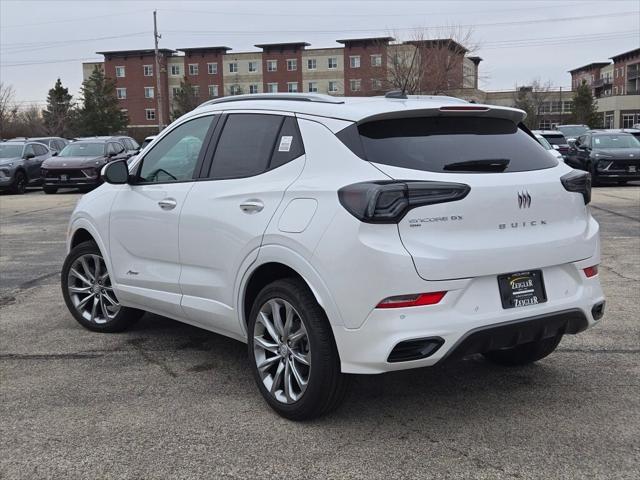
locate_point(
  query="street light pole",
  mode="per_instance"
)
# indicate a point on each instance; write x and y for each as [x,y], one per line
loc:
[158,84]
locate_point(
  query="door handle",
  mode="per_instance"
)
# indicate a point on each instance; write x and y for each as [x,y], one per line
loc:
[167,204]
[251,206]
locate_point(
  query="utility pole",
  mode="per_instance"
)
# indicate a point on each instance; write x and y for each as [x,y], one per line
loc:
[158,84]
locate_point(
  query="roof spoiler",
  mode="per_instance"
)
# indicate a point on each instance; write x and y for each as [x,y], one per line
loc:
[470,110]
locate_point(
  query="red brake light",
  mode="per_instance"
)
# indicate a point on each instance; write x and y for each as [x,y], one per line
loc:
[463,108]
[591,271]
[415,300]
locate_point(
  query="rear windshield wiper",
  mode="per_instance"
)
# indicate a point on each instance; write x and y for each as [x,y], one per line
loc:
[496,165]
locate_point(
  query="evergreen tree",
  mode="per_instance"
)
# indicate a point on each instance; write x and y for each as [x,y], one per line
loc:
[585,107]
[100,113]
[58,115]
[185,100]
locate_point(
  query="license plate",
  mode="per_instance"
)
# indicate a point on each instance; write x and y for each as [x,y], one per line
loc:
[522,289]
[64,178]
[632,169]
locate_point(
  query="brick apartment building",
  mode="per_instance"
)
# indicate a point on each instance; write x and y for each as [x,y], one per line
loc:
[359,67]
[616,85]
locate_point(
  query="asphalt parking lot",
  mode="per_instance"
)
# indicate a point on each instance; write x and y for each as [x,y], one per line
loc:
[166,400]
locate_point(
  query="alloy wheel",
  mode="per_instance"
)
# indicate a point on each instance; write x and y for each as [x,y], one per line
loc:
[282,351]
[90,289]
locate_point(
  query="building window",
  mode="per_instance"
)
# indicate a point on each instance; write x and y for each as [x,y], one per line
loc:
[292,87]
[194,69]
[567,107]
[196,91]
[313,87]
[545,125]
[292,65]
[354,85]
[121,93]
[253,88]
[120,72]
[629,120]
[150,113]
[376,84]
[213,90]
[376,60]
[272,87]
[354,61]
[175,91]
[233,67]
[332,63]
[148,92]
[272,65]
[236,90]
[147,70]
[312,64]
[212,68]
[175,70]
[253,66]
[333,87]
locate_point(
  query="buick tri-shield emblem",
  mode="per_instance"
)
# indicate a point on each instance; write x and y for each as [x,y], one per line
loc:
[524,199]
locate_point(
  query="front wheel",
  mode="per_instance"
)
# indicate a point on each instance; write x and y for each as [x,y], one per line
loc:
[292,352]
[88,293]
[525,353]
[19,183]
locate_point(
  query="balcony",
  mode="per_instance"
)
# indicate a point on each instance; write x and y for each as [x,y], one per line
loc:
[602,82]
[633,74]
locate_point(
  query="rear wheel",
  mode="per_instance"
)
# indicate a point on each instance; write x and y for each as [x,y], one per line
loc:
[50,189]
[292,353]
[525,353]
[19,183]
[88,293]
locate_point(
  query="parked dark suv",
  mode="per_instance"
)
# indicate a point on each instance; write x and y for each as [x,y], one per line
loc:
[607,155]
[79,164]
[20,163]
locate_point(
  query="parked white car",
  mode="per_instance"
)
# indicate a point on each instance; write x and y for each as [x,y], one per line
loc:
[342,236]
[554,152]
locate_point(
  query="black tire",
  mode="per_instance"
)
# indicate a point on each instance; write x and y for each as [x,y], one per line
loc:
[49,190]
[19,184]
[327,386]
[595,179]
[124,318]
[525,353]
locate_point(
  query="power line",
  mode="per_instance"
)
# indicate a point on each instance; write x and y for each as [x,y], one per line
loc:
[46,45]
[76,19]
[45,62]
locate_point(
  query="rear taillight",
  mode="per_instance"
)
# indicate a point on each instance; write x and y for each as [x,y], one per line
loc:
[590,271]
[415,300]
[579,182]
[389,201]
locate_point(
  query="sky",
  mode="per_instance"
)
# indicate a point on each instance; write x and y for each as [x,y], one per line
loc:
[519,41]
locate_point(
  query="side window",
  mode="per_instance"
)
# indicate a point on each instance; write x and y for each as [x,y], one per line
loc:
[29,150]
[40,150]
[110,148]
[174,157]
[587,140]
[245,145]
[133,143]
[288,144]
[127,143]
[117,147]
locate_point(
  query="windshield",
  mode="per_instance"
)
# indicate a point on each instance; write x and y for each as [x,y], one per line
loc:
[83,150]
[573,132]
[10,151]
[543,141]
[556,139]
[615,141]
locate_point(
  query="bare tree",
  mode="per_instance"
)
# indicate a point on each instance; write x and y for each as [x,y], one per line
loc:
[8,109]
[431,62]
[533,99]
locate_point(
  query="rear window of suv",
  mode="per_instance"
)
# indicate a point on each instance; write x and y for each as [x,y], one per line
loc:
[556,139]
[433,143]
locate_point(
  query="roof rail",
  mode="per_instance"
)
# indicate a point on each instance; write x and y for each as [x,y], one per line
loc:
[297,97]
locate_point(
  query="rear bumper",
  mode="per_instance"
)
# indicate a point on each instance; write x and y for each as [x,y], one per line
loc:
[470,320]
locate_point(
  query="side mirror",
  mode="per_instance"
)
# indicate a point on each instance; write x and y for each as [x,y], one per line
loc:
[111,154]
[116,173]
[28,156]
[571,142]
[54,154]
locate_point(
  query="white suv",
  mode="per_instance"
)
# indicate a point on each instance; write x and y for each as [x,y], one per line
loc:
[342,236]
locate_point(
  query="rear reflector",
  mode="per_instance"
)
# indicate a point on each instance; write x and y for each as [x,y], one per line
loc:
[415,300]
[591,271]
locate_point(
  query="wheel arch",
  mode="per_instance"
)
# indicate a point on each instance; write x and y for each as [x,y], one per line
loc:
[275,262]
